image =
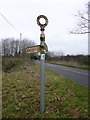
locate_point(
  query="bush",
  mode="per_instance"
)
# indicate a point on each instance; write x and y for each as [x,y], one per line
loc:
[9,63]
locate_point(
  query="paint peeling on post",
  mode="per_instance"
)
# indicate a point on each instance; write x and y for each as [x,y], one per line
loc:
[42,60]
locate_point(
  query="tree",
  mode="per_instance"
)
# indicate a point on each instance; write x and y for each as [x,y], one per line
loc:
[5,47]
[0,48]
[83,25]
[10,46]
[24,44]
[16,47]
[12,49]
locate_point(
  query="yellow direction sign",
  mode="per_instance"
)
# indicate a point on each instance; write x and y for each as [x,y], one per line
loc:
[33,49]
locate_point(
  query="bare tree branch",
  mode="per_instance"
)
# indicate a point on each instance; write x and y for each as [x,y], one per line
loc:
[76,32]
[83,25]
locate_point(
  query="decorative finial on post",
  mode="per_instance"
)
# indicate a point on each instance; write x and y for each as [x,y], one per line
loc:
[42,28]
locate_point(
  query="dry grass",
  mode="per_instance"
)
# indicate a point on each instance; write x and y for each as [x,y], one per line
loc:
[71,64]
[21,94]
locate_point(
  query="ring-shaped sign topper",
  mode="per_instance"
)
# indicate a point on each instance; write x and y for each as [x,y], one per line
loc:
[40,24]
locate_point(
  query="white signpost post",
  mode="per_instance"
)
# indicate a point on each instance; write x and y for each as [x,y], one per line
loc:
[41,48]
[42,60]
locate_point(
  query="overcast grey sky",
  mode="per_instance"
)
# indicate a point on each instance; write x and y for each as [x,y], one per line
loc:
[23,13]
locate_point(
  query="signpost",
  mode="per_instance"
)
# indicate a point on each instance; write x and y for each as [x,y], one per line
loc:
[42,60]
[41,48]
[33,49]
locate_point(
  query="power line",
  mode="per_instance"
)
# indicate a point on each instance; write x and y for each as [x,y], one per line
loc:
[9,22]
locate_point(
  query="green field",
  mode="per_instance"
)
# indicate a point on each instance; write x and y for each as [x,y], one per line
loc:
[21,92]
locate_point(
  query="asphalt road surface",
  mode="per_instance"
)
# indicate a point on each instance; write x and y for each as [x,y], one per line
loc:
[78,75]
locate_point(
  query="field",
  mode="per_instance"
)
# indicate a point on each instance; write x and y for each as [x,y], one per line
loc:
[21,92]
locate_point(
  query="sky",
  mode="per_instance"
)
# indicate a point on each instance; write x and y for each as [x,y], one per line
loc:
[22,14]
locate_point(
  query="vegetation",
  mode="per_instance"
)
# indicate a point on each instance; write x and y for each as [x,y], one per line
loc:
[12,47]
[21,93]
[83,24]
[79,61]
[10,63]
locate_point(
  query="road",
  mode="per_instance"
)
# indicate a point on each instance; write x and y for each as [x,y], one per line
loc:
[75,74]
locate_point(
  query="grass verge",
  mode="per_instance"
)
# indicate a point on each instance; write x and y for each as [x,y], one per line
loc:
[71,64]
[21,94]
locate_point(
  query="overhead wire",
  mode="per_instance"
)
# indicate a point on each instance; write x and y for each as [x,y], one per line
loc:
[9,22]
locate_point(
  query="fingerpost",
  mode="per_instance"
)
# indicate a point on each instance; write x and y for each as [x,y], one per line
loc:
[42,60]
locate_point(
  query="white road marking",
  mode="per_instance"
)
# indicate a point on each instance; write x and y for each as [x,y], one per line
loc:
[74,71]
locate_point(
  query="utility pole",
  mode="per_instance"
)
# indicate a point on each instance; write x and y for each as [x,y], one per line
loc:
[20,49]
[42,60]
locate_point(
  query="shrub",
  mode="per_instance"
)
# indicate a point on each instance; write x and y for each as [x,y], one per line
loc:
[9,63]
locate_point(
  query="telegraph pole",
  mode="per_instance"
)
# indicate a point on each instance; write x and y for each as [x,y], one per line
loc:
[42,60]
[20,49]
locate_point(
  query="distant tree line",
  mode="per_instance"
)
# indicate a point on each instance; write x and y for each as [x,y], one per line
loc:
[15,47]
[12,47]
[81,59]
